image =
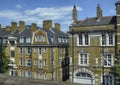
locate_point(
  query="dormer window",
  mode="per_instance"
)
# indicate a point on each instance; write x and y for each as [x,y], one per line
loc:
[28,40]
[21,40]
[40,38]
[59,39]
[52,40]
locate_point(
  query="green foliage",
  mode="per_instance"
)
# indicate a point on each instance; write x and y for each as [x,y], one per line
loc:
[5,62]
[118,66]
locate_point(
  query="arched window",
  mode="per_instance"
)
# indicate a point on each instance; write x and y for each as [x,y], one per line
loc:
[83,74]
[83,78]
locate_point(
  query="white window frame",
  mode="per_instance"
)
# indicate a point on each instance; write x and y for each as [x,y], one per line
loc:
[45,62]
[35,75]
[45,75]
[21,61]
[39,63]
[35,50]
[21,73]
[40,51]
[28,50]
[21,39]
[40,75]
[45,50]
[103,59]
[52,39]
[28,74]
[28,40]
[59,40]
[83,40]
[35,62]
[21,50]
[79,59]
[28,62]
[107,40]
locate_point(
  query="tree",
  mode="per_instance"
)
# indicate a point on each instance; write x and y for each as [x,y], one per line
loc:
[118,66]
[4,61]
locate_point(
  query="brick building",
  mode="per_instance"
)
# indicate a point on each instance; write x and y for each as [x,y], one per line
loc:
[94,44]
[35,52]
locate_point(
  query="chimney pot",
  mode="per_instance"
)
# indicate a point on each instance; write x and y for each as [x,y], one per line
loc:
[34,27]
[8,28]
[13,26]
[47,24]
[21,26]
[57,26]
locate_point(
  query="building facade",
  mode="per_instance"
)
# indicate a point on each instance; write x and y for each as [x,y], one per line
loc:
[35,52]
[94,44]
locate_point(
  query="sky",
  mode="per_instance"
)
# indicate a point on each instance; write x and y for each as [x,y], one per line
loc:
[59,11]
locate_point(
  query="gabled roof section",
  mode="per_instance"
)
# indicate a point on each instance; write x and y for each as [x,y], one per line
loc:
[59,32]
[94,22]
[3,32]
[26,32]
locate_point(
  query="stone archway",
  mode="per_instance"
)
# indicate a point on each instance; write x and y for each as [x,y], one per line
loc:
[84,76]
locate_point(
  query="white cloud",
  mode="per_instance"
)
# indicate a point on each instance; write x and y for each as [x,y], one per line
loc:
[61,15]
[112,11]
[18,6]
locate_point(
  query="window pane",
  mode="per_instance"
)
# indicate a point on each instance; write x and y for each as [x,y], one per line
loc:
[80,40]
[110,39]
[103,39]
[86,40]
[12,53]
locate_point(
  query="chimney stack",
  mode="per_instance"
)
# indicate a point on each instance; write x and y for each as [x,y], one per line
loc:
[57,26]
[47,24]
[21,26]
[99,12]
[74,14]
[8,28]
[13,26]
[34,27]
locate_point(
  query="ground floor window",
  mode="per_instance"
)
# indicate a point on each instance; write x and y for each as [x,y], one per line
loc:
[108,79]
[28,74]
[83,78]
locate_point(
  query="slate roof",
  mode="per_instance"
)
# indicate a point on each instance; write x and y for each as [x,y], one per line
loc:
[59,33]
[94,22]
[4,33]
[27,32]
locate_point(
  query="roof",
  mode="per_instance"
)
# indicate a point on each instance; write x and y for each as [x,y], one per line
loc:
[107,20]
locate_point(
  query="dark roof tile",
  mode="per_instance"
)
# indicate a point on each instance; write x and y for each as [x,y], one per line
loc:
[94,22]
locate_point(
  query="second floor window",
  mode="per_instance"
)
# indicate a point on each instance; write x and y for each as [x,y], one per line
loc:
[28,62]
[83,39]
[28,50]
[21,50]
[110,39]
[45,62]
[21,61]
[107,39]
[40,50]
[86,39]
[103,39]
[40,63]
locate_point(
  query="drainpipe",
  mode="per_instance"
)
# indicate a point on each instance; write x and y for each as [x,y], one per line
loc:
[52,63]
